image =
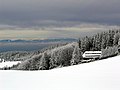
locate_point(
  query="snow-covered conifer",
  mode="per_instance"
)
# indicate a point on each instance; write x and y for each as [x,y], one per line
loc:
[76,56]
[44,62]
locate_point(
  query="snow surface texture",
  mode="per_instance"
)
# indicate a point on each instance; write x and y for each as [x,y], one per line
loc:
[8,63]
[98,75]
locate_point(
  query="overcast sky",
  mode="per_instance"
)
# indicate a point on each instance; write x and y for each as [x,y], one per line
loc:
[57,13]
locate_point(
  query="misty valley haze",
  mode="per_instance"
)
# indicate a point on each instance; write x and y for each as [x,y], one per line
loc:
[31,45]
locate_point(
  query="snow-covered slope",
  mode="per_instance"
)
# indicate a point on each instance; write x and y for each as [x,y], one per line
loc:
[98,75]
[8,63]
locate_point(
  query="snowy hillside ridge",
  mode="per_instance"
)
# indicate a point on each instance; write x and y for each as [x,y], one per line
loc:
[99,75]
[57,57]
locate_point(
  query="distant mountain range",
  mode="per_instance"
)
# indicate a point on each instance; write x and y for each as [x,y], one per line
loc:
[40,41]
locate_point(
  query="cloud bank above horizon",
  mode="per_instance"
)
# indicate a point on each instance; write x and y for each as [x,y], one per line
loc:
[56,18]
[77,31]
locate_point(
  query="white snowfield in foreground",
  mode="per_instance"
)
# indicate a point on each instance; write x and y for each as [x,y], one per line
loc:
[8,64]
[98,75]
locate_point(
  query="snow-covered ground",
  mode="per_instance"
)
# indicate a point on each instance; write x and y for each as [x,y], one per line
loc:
[99,75]
[8,63]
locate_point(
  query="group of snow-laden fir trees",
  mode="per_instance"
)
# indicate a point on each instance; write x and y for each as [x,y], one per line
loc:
[71,54]
[107,42]
[67,55]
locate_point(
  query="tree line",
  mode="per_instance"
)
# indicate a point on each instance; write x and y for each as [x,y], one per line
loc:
[99,41]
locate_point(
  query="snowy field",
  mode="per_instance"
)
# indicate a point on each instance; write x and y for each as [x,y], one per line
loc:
[9,63]
[98,75]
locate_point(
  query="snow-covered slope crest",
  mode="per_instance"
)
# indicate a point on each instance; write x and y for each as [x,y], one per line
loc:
[98,75]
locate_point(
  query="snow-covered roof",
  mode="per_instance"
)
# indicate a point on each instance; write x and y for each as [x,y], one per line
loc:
[93,51]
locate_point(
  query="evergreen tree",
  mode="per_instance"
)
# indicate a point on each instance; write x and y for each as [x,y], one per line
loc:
[83,46]
[87,44]
[76,56]
[79,42]
[119,46]
[103,43]
[111,36]
[44,62]
[116,38]
[98,42]
[93,43]
[90,43]
[61,56]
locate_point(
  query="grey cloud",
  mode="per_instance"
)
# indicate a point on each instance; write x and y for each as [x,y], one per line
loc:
[47,12]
